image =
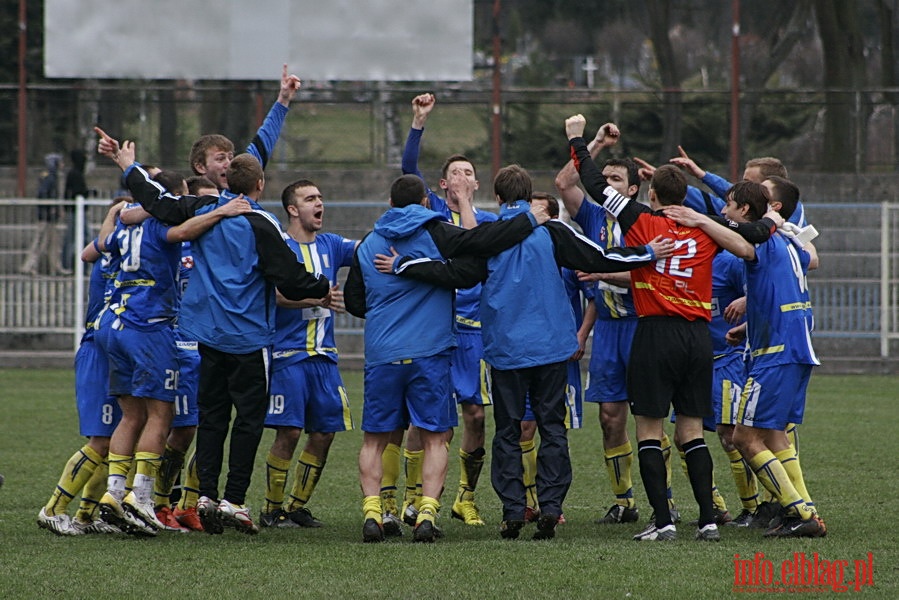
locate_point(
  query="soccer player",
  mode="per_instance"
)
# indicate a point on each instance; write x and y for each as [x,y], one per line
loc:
[574,395]
[211,154]
[98,412]
[615,322]
[778,328]
[529,335]
[229,310]
[469,371]
[140,346]
[306,389]
[182,516]
[671,355]
[409,335]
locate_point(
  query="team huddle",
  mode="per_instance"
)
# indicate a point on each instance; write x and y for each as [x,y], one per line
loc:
[201,303]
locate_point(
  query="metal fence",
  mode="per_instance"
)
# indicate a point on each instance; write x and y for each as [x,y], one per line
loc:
[854,292]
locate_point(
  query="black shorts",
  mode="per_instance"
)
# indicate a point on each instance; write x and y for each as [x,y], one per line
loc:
[670,364]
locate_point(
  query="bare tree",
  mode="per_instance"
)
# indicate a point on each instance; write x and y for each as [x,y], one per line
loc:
[659,12]
[844,80]
[775,33]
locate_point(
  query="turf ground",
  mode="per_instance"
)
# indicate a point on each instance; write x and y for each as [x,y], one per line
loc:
[847,450]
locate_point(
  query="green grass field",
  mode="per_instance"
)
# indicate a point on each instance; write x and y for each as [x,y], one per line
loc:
[847,451]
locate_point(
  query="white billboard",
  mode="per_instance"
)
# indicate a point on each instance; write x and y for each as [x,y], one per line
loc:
[374,40]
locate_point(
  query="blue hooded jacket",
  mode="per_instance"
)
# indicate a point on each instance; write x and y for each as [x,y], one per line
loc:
[396,327]
[526,315]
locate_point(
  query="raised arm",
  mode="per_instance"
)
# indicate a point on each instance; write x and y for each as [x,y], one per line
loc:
[623,209]
[422,105]
[149,194]
[263,143]
[567,178]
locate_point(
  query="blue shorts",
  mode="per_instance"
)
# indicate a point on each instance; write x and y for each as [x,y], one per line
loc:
[143,364]
[98,412]
[773,397]
[728,380]
[471,384]
[415,391]
[607,372]
[187,413]
[310,395]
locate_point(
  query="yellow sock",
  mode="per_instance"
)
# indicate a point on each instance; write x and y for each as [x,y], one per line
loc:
[717,498]
[119,468]
[774,477]
[129,477]
[275,481]
[428,509]
[371,508]
[412,495]
[390,475]
[146,470]
[619,461]
[308,471]
[92,492]
[77,472]
[745,481]
[790,461]
[169,469]
[529,462]
[470,465]
[792,432]
[190,488]
[666,454]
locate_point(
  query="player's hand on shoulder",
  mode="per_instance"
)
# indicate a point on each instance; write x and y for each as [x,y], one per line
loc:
[539,213]
[237,206]
[662,247]
[684,215]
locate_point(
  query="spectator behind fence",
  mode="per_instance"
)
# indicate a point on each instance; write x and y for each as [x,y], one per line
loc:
[75,185]
[46,239]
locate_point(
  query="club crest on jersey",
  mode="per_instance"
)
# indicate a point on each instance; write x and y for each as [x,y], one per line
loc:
[187,262]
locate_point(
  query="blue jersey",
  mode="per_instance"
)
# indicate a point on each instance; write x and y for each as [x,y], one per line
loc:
[778,310]
[713,203]
[304,332]
[468,300]
[612,301]
[146,294]
[728,284]
[96,293]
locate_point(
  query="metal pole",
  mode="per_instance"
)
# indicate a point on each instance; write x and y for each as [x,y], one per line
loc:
[22,154]
[885,277]
[496,100]
[735,91]
[80,207]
